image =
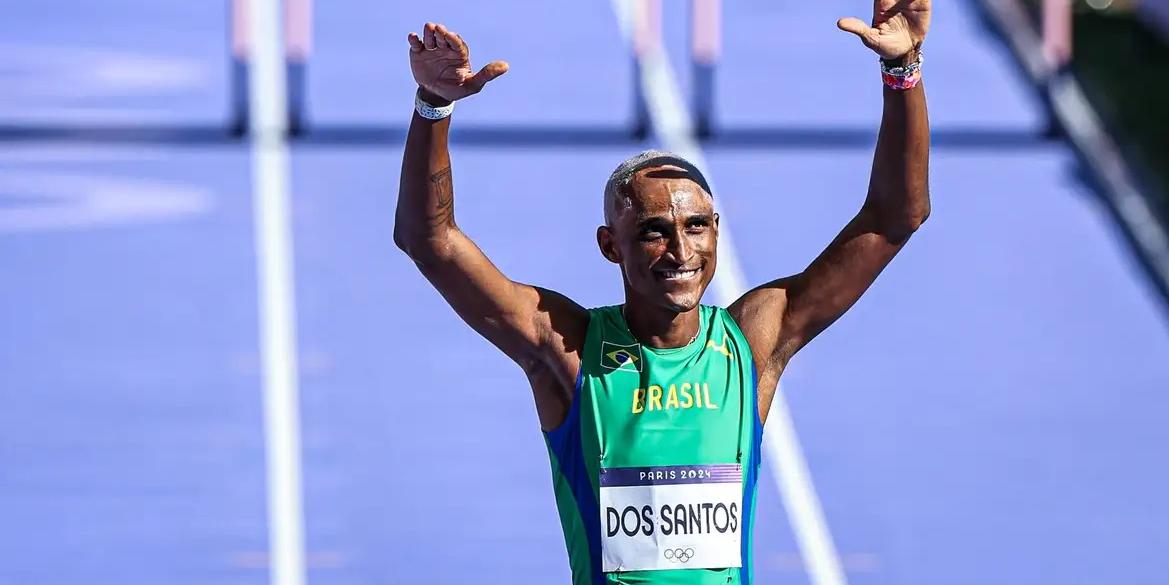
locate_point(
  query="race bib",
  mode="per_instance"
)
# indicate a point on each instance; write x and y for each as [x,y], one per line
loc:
[671,517]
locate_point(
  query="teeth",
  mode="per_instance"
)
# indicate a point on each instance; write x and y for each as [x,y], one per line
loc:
[679,274]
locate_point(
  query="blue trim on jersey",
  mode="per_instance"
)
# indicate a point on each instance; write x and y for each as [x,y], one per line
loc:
[752,476]
[566,447]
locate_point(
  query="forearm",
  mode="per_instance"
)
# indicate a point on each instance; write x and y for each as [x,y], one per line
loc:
[898,190]
[425,212]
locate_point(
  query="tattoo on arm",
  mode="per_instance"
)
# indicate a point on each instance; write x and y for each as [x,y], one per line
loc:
[442,189]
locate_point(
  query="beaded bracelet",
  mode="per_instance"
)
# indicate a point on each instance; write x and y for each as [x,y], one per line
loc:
[431,112]
[902,76]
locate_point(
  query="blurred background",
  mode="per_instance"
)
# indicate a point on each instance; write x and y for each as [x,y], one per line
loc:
[993,411]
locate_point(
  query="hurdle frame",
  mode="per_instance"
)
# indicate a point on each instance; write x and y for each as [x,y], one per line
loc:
[298,22]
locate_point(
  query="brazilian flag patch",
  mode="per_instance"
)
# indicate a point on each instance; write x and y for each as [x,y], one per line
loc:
[621,357]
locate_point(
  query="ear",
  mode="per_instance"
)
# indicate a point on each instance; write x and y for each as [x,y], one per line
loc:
[716,222]
[607,242]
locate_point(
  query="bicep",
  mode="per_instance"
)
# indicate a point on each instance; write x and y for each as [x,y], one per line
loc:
[837,278]
[521,320]
[782,316]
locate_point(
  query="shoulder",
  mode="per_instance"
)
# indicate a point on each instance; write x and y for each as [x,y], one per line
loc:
[759,310]
[759,315]
[562,316]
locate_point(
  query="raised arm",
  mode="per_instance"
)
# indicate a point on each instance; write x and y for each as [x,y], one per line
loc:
[782,316]
[539,329]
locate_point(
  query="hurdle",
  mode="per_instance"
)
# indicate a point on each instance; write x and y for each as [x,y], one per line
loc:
[705,50]
[297,50]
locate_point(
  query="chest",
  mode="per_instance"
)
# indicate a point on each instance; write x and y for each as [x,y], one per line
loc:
[676,414]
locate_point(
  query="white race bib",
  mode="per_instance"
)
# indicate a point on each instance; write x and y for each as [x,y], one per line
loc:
[671,517]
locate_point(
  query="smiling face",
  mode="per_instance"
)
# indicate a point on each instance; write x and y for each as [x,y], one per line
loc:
[665,237]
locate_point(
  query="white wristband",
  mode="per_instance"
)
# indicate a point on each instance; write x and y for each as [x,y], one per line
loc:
[432,112]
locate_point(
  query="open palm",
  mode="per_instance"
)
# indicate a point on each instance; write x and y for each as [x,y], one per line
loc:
[899,27]
[441,63]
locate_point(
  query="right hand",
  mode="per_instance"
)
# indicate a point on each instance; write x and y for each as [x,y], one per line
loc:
[441,63]
[899,27]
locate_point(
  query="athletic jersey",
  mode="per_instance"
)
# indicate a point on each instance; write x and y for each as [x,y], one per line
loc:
[655,466]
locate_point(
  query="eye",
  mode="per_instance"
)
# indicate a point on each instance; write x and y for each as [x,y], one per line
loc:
[650,234]
[697,225]
[653,230]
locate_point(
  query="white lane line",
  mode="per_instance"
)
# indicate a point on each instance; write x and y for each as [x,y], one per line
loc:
[270,175]
[672,125]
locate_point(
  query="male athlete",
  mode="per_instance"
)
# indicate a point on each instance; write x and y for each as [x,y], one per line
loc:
[652,410]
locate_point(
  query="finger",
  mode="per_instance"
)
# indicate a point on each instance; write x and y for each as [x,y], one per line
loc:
[855,26]
[456,42]
[443,36]
[487,73]
[428,38]
[415,43]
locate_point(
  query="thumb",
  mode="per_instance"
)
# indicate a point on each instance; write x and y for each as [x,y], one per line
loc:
[855,26]
[487,73]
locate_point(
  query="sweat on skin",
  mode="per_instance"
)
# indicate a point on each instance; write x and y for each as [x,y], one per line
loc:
[663,232]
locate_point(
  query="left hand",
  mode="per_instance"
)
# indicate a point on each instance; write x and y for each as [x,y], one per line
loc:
[441,63]
[899,27]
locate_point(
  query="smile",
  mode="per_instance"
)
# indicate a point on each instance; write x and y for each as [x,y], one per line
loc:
[678,274]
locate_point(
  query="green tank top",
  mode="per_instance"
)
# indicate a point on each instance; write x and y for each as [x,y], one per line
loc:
[655,466]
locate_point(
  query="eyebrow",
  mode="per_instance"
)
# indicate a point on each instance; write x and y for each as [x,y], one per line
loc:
[661,219]
[652,221]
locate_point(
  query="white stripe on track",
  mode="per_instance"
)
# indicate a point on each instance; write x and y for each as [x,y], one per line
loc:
[273,242]
[671,123]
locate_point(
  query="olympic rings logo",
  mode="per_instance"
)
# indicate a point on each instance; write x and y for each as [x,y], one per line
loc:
[678,555]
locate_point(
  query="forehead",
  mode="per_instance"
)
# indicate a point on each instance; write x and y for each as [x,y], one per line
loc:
[667,189]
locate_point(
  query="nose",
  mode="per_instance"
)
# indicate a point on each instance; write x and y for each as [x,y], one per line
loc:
[680,249]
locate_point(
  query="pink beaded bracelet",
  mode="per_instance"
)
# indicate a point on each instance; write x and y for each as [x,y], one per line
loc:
[903,76]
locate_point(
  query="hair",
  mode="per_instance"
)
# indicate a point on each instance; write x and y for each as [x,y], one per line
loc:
[617,187]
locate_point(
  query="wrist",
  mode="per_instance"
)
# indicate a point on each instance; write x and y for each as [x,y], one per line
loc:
[433,98]
[903,73]
[425,105]
[908,58]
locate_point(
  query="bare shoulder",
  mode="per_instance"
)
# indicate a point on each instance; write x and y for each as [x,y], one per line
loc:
[563,325]
[759,314]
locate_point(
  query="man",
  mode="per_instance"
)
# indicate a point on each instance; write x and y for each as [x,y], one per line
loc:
[652,410]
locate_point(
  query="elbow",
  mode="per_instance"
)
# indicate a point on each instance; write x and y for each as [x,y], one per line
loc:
[899,230]
[414,246]
[403,240]
[913,210]
[422,248]
[899,225]
[916,217]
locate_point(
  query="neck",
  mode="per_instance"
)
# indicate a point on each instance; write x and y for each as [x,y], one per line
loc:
[660,327]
